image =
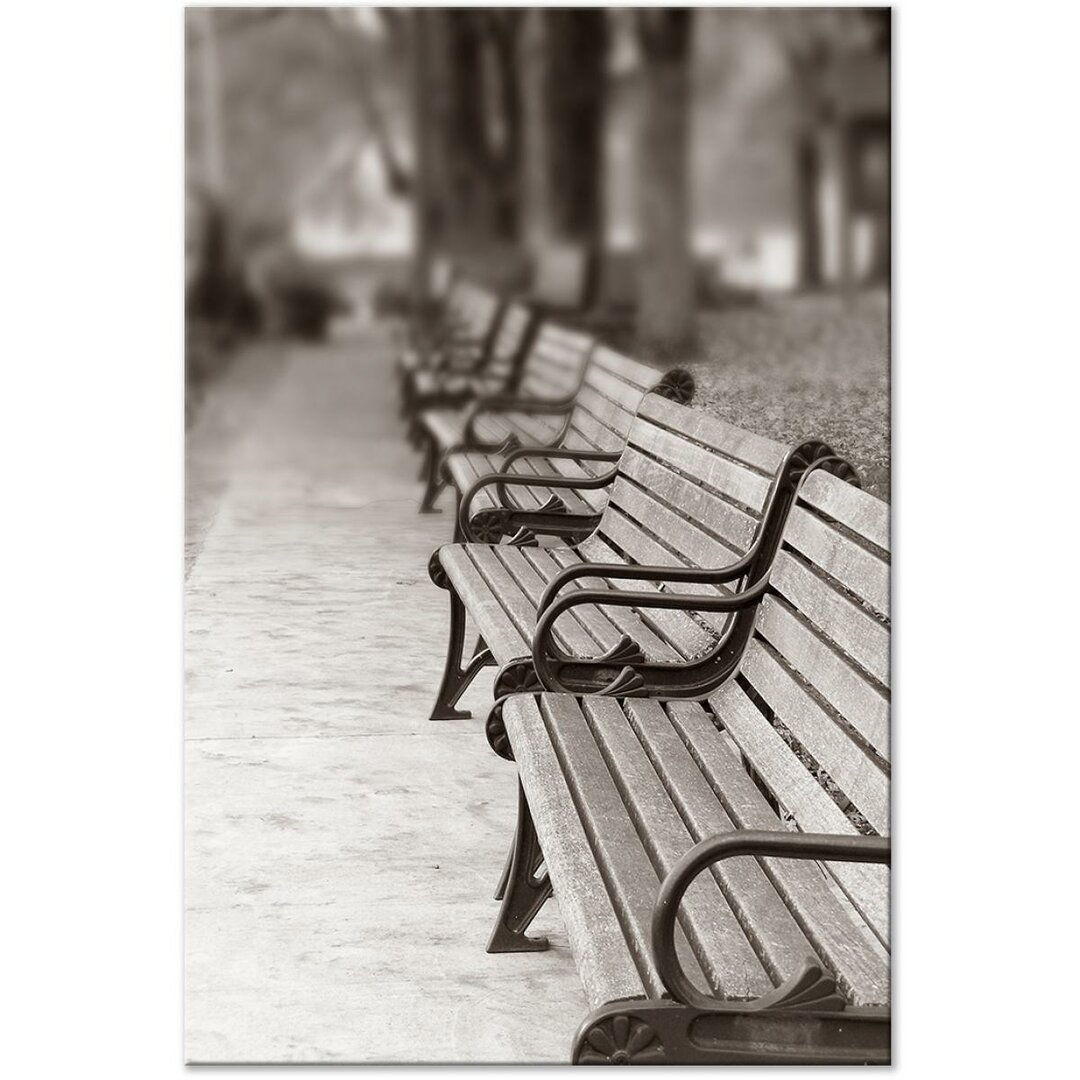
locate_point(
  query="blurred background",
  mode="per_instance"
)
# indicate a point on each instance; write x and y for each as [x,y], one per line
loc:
[715,181]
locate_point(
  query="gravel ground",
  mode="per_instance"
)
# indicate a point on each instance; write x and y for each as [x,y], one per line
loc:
[811,366]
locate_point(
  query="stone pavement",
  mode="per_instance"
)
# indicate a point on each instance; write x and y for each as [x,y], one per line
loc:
[340,849]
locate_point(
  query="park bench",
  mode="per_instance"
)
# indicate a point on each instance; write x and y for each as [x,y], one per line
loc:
[717,861]
[694,503]
[467,375]
[457,340]
[534,413]
[588,446]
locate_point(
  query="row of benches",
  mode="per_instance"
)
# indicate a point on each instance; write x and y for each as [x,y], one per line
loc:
[690,625]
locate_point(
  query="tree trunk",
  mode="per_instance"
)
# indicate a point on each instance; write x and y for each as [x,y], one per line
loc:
[807,211]
[666,307]
[563,73]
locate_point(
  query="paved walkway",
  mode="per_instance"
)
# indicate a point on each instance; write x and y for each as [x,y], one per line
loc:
[341,850]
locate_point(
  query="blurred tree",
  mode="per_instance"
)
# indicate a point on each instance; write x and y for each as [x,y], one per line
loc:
[563,54]
[813,40]
[467,124]
[666,322]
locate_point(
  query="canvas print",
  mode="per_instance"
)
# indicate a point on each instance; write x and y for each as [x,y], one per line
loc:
[537,563]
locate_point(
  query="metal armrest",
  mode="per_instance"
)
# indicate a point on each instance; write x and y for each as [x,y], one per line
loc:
[561,452]
[544,662]
[503,403]
[784,845]
[689,575]
[502,479]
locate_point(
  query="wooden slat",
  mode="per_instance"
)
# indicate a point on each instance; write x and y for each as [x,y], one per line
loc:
[624,864]
[852,627]
[856,568]
[737,443]
[710,513]
[732,479]
[799,793]
[676,626]
[626,368]
[501,586]
[494,622]
[859,511]
[581,631]
[627,620]
[745,901]
[861,703]
[607,969]
[837,931]
[857,775]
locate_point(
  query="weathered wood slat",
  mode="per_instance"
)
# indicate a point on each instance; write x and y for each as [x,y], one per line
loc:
[679,627]
[627,620]
[861,703]
[838,933]
[495,624]
[856,568]
[576,631]
[737,443]
[625,368]
[857,775]
[685,516]
[501,585]
[744,901]
[737,482]
[624,864]
[851,626]
[859,511]
[710,512]
[607,970]
[798,793]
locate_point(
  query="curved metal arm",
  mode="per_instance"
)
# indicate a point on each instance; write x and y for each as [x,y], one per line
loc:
[507,403]
[690,575]
[516,480]
[543,637]
[564,453]
[818,846]
[779,501]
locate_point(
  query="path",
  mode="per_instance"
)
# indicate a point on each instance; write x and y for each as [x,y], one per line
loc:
[341,850]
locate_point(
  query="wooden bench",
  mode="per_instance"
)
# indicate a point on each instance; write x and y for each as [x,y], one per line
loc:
[460,339]
[590,443]
[464,376]
[693,498]
[716,861]
[534,413]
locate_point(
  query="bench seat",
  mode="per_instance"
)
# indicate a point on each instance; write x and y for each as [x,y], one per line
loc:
[466,467]
[691,494]
[534,414]
[619,791]
[604,409]
[462,371]
[632,810]
[502,585]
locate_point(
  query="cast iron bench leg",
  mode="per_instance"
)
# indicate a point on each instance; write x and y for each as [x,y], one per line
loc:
[456,678]
[525,893]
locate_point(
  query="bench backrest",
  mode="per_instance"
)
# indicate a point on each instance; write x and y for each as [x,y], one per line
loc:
[607,402]
[691,490]
[555,363]
[511,339]
[476,310]
[809,708]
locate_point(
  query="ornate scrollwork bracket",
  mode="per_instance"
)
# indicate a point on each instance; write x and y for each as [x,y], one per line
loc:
[677,385]
[436,572]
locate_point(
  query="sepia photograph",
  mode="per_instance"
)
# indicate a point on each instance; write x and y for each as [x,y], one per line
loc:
[537,487]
